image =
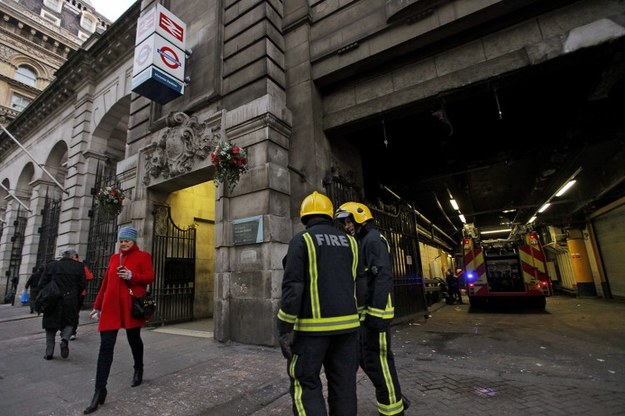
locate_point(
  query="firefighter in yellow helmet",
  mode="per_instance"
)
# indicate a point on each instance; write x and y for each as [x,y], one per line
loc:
[377,358]
[318,317]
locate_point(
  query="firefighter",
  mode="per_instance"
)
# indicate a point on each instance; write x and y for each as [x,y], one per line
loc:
[318,318]
[377,358]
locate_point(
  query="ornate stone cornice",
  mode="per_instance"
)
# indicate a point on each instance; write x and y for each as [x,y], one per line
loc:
[182,145]
[84,65]
[49,57]
[32,22]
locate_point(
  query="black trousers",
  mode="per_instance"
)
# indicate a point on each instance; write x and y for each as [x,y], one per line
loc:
[107,348]
[81,301]
[338,355]
[378,362]
[456,294]
[33,295]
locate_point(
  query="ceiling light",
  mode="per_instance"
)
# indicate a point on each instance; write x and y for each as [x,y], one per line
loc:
[464,221]
[544,207]
[500,230]
[566,187]
[454,204]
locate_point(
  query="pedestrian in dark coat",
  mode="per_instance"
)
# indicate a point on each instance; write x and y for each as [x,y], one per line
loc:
[457,284]
[130,269]
[33,285]
[69,275]
[453,286]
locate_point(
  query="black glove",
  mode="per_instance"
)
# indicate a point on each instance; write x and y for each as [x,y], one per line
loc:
[376,324]
[286,340]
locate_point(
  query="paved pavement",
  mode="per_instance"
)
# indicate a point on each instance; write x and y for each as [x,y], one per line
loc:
[566,360]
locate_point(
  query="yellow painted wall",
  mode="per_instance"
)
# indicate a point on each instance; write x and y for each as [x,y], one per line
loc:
[434,261]
[579,257]
[195,206]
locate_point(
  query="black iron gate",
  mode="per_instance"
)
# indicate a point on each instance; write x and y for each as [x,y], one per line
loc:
[48,231]
[15,261]
[173,255]
[102,234]
[400,229]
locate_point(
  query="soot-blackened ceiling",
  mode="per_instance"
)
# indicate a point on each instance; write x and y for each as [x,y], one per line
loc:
[506,144]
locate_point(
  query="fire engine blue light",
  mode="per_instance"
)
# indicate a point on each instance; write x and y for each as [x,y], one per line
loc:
[470,276]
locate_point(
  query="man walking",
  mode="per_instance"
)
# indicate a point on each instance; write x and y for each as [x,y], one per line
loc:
[318,318]
[377,358]
[69,276]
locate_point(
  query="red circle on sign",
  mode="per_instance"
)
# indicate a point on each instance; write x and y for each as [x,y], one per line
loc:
[169,57]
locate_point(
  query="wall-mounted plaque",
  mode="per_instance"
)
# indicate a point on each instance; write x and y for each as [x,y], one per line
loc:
[248,230]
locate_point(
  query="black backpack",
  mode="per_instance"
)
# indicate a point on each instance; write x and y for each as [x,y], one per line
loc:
[48,297]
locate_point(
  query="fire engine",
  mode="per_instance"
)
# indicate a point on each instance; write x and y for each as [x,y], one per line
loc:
[508,270]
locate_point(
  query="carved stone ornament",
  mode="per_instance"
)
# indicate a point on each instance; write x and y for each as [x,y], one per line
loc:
[175,152]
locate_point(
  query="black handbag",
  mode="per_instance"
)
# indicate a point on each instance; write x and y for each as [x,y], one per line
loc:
[143,307]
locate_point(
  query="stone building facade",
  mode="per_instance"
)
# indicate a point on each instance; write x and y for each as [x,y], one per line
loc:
[276,78]
[37,37]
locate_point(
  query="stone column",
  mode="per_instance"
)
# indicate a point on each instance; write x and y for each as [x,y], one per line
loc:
[249,274]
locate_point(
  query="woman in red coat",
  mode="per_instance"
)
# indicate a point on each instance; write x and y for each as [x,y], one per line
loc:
[131,268]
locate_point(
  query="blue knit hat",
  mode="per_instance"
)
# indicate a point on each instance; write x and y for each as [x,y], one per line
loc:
[128,233]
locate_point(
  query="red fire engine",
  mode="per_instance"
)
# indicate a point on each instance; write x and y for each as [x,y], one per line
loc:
[500,271]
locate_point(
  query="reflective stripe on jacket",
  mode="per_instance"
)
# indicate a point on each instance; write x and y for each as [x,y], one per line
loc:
[376,253]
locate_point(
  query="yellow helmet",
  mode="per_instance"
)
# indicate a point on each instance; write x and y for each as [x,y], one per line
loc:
[316,203]
[360,212]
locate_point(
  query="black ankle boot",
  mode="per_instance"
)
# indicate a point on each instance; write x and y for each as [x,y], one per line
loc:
[137,378]
[407,402]
[64,348]
[49,351]
[98,398]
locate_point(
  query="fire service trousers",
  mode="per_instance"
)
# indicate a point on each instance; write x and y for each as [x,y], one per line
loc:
[378,362]
[338,354]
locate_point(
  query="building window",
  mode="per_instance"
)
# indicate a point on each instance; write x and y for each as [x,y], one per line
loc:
[54,5]
[19,102]
[88,22]
[26,75]
[50,17]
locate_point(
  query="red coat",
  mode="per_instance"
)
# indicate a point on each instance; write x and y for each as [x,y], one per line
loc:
[113,300]
[89,276]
